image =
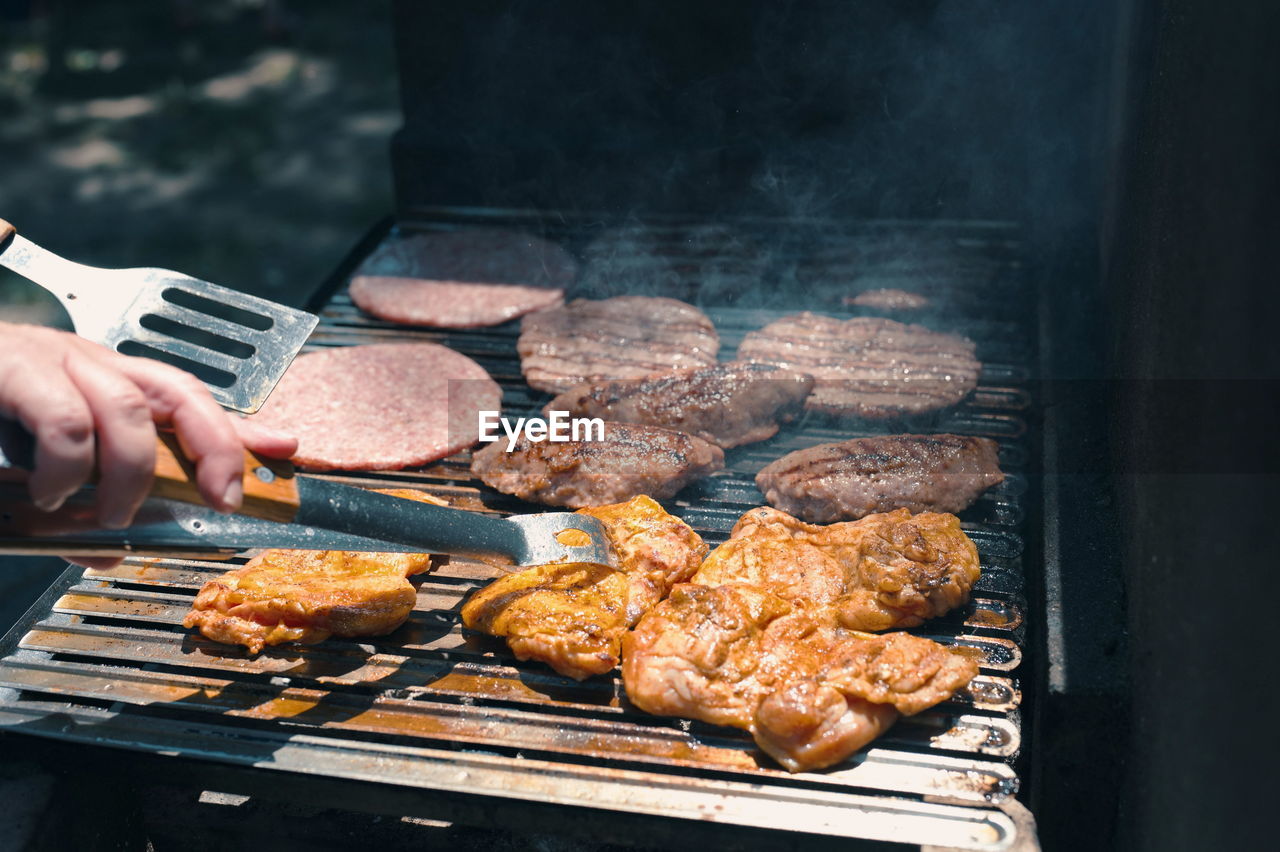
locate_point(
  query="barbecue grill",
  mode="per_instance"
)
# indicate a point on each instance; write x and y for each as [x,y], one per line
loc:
[734,165]
[434,707]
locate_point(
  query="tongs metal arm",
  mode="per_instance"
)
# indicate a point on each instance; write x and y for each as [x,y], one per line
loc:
[300,506]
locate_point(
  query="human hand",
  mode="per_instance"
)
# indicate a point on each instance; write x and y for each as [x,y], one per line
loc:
[89,407]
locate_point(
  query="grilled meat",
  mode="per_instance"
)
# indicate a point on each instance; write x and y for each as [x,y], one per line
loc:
[631,460]
[851,479]
[462,279]
[626,337]
[887,299]
[726,404]
[868,368]
[307,596]
[809,692]
[381,406]
[573,616]
[885,571]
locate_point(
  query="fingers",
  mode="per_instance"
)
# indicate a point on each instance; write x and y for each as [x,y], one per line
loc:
[204,431]
[87,405]
[43,398]
[126,437]
[101,563]
[264,440]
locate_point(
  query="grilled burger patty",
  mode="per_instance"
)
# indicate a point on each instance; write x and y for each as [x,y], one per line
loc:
[626,337]
[726,404]
[630,461]
[851,479]
[867,367]
[888,299]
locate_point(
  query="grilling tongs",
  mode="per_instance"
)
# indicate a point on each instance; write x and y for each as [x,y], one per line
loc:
[280,509]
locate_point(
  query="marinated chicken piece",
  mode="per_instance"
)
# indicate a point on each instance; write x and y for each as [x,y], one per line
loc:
[573,616]
[909,672]
[809,725]
[810,692]
[850,479]
[726,404]
[307,596]
[570,616]
[884,571]
[631,460]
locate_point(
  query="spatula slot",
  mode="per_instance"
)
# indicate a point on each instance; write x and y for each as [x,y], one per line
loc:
[205,373]
[197,336]
[221,310]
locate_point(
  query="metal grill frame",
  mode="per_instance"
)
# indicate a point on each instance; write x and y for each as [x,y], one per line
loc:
[959,795]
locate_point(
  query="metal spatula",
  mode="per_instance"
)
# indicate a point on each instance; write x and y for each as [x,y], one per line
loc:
[304,509]
[237,344]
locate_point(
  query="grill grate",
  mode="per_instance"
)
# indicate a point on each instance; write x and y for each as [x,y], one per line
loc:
[433,707]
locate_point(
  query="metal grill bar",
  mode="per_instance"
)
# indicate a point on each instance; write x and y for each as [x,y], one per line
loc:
[434,706]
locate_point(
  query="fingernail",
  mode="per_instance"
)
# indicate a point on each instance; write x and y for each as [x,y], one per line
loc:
[232,496]
[49,504]
[116,517]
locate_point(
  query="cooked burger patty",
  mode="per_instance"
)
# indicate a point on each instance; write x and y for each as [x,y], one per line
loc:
[630,461]
[866,367]
[726,404]
[888,299]
[626,337]
[462,279]
[851,479]
[383,406]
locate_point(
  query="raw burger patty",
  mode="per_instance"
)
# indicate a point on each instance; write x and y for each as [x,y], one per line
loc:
[462,279]
[626,337]
[380,407]
[866,367]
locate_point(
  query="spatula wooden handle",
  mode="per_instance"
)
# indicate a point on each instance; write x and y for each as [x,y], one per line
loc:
[270,490]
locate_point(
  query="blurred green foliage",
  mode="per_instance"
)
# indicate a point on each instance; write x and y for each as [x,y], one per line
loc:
[242,142]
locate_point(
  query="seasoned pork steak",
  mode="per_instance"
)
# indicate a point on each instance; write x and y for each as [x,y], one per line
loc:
[573,616]
[868,368]
[631,460]
[726,404]
[850,479]
[810,692]
[882,572]
[626,337]
[307,596]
